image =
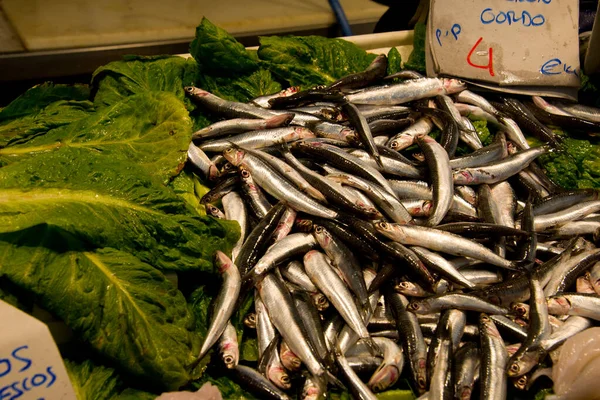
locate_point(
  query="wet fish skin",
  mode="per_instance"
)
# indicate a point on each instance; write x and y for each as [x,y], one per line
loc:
[442,184]
[494,358]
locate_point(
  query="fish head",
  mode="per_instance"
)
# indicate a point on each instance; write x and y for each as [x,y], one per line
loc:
[392,231]
[279,120]
[320,301]
[521,382]
[520,309]
[454,85]
[212,210]
[421,375]
[408,288]
[301,133]
[524,363]
[195,91]
[402,142]
[464,392]
[383,378]
[223,262]
[312,390]
[418,307]
[250,320]
[246,176]
[441,286]
[289,360]
[322,235]
[462,177]
[234,155]
[487,325]
[558,305]
[279,377]
[230,354]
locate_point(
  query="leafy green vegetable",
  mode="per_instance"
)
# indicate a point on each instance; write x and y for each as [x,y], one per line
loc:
[394,61]
[39,122]
[483,132]
[541,395]
[185,185]
[110,203]
[125,309]
[240,87]
[41,96]
[96,382]
[416,60]
[218,53]
[575,165]
[152,128]
[396,395]
[249,350]
[117,80]
[308,61]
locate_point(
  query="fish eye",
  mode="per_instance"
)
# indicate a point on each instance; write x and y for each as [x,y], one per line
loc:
[382,225]
[514,367]
[189,89]
[413,306]
[421,382]
[285,379]
[244,173]
[228,360]
[394,145]
[318,229]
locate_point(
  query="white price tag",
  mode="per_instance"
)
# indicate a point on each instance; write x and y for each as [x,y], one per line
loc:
[506,42]
[31,367]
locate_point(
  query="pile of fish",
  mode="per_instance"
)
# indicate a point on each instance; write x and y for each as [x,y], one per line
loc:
[374,250]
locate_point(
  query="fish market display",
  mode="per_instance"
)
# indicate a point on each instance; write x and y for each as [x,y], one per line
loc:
[457,272]
[303,221]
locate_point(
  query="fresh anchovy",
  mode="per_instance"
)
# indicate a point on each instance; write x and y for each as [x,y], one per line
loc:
[259,238]
[290,173]
[320,271]
[406,74]
[466,96]
[514,133]
[408,288]
[482,277]
[583,305]
[305,97]
[411,338]
[276,185]
[256,198]
[572,213]
[467,193]
[285,318]
[343,161]
[552,109]
[406,91]
[493,361]
[375,71]
[437,240]
[235,209]
[391,206]
[333,191]
[595,277]
[228,346]
[229,109]
[358,388]
[476,114]
[362,128]
[364,364]
[565,274]
[466,370]
[214,211]
[255,382]
[407,137]
[344,260]
[327,111]
[392,166]
[265,331]
[220,190]
[224,303]
[583,285]
[539,328]
[576,228]
[470,137]
[274,369]
[563,200]
[574,324]
[258,139]
[582,111]
[201,161]
[240,125]
[285,224]
[294,273]
[263,101]
[479,229]
[290,246]
[390,369]
[312,390]
[375,112]
[330,130]
[477,158]
[459,301]
[312,322]
[407,190]
[439,170]
[500,170]
[381,127]
[439,264]
[441,385]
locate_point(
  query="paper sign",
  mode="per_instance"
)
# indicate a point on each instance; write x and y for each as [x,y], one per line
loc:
[31,367]
[506,42]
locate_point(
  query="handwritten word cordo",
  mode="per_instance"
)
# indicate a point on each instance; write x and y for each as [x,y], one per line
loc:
[488,16]
[454,31]
[18,363]
[556,67]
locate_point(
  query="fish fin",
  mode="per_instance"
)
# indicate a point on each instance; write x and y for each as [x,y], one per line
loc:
[373,347]
[263,361]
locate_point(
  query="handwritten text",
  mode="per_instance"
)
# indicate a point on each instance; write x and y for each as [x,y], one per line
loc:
[17,364]
[488,16]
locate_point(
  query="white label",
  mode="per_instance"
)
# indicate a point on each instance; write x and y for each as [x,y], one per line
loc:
[506,42]
[31,367]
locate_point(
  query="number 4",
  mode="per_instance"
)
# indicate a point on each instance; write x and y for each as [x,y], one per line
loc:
[489,66]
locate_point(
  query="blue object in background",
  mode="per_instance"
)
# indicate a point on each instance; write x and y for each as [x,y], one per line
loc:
[340,16]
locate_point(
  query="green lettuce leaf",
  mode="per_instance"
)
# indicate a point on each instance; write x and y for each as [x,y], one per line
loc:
[218,53]
[394,61]
[575,165]
[416,60]
[96,382]
[39,122]
[41,96]
[185,185]
[152,128]
[241,88]
[117,80]
[124,309]
[308,61]
[110,203]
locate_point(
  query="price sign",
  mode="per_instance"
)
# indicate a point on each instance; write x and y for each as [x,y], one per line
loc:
[30,365]
[506,42]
